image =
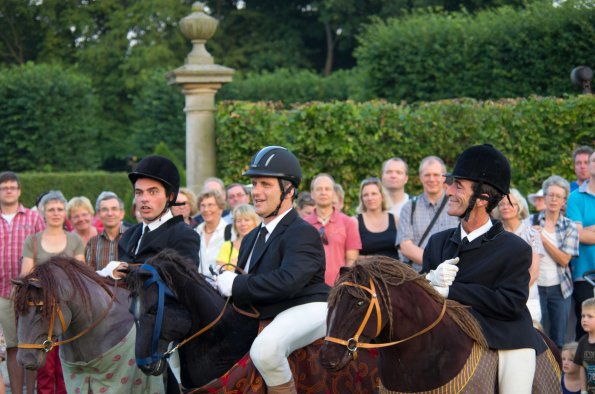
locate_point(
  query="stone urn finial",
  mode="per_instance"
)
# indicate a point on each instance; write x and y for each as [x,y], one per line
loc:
[198,27]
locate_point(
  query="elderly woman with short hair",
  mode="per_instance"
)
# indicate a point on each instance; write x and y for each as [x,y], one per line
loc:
[560,240]
[212,231]
[80,213]
[513,218]
[37,249]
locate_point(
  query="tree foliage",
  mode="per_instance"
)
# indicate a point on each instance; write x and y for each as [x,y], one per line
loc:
[494,54]
[48,119]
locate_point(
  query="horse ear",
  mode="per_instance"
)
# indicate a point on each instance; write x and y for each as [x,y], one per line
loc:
[17,282]
[343,270]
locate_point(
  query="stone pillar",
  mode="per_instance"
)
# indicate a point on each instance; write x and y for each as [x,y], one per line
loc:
[200,79]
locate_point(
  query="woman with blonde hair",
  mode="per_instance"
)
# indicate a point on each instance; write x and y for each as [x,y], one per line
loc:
[80,213]
[245,220]
[513,219]
[185,206]
[377,226]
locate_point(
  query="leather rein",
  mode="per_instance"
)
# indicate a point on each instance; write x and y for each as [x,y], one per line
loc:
[49,344]
[352,344]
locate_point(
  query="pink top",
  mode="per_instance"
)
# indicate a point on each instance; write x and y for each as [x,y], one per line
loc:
[343,235]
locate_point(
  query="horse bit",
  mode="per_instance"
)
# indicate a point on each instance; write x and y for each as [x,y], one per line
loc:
[352,344]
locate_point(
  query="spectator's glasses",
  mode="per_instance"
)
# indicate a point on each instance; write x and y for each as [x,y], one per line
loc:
[323,236]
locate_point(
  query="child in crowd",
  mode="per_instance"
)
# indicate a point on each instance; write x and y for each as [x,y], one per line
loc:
[585,352]
[571,380]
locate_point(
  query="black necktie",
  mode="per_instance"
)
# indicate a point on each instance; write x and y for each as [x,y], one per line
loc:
[464,241]
[144,235]
[259,245]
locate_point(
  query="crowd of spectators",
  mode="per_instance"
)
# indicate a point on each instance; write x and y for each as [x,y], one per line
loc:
[560,228]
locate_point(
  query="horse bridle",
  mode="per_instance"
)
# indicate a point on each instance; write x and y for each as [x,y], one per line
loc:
[49,344]
[352,344]
[164,290]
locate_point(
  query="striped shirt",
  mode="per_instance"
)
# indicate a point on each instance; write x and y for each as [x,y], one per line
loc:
[101,250]
[12,237]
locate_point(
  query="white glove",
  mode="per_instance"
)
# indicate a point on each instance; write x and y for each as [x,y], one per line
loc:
[444,274]
[442,290]
[225,282]
[108,270]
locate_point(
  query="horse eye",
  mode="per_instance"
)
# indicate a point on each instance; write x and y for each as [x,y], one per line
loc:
[39,308]
[360,303]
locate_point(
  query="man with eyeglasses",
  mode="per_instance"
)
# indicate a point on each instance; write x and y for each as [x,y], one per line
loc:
[16,224]
[339,233]
[103,248]
[236,194]
[580,208]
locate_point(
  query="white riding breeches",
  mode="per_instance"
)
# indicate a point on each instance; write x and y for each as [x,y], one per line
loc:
[516,369]
[291,329]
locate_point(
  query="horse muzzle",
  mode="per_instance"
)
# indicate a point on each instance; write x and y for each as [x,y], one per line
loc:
[31,359]
[154,369]
[334,357]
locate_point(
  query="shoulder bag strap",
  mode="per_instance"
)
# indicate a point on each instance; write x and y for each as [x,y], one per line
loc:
[423,237]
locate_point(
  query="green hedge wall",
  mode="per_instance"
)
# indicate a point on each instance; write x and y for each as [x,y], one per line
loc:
[351,140]
[499,53]
[72,184]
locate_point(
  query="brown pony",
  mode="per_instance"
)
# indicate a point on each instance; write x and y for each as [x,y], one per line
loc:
[426,343]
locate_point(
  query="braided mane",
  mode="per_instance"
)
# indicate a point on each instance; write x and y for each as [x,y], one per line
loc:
[388,273]
[42,286]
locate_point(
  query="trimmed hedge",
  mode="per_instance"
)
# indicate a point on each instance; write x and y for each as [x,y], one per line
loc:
[295,86]
[506,52]
[351,140]
[72,184]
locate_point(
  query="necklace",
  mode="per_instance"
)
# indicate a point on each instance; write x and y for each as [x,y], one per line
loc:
[208,232]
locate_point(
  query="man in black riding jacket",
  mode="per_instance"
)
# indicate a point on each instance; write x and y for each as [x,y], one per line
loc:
[481,265]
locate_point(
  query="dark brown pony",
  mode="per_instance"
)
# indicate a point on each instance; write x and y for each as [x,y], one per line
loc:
[439,345]
[217,361]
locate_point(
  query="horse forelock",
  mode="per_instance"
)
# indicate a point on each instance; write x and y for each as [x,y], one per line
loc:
[48,283]
[386,273]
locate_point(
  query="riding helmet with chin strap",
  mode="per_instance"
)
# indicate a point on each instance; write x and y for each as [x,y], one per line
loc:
[162,170]
[482,164]
[280,163]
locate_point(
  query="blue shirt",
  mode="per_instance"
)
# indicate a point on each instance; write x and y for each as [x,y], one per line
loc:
[581,209]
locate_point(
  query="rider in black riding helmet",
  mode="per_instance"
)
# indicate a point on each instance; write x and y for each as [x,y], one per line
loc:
[481,265]
[156,182]
[283,261]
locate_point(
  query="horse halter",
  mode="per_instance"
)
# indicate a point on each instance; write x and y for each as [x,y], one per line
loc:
[352,344]
[49,344]
[162,290]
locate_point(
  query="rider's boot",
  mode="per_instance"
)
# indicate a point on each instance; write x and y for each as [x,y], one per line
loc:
[285,388]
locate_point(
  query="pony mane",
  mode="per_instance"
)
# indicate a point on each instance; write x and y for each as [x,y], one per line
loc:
[170,265]
[47,287]
[387,272]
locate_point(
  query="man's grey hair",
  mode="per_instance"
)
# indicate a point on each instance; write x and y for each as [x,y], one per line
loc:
[107,195]
[430,159]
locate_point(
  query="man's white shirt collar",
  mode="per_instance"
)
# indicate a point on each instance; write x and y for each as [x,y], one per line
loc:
[155,224]
[478,232]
